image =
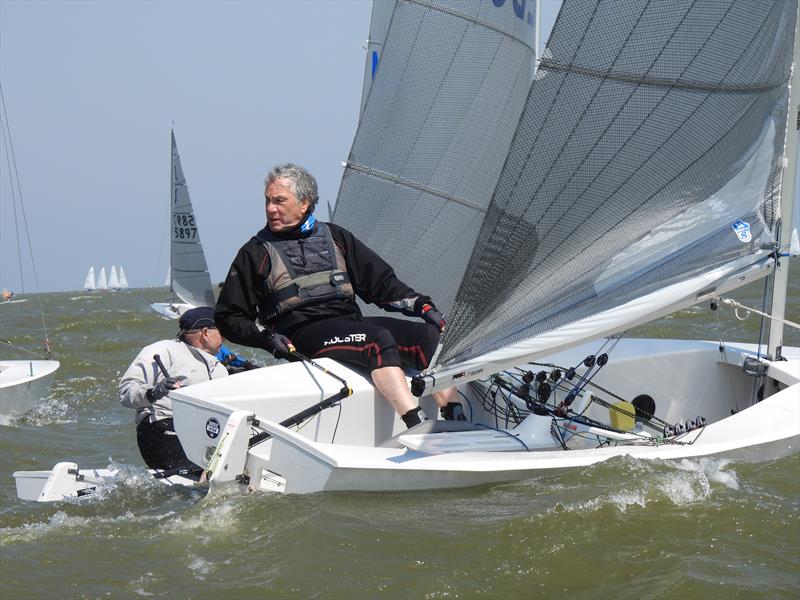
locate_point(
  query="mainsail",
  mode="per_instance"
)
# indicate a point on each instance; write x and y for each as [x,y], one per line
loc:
[433,136]
[191,281]
[647,159]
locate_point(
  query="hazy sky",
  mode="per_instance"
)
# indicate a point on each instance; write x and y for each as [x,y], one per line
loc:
[93,88]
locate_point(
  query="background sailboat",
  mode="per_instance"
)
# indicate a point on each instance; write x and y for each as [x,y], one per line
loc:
[189,279]
[89,283]
[123,279]
[102,283]
[22,382]
[113,281]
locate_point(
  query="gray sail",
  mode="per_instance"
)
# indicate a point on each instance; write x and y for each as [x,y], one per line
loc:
[434,135]
[378,28]
[191,281]
[649,152]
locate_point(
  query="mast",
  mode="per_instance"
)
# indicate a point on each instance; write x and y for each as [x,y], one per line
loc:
[788,193]
[172,200]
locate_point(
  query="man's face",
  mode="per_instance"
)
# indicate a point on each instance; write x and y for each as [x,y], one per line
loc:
[213,340]
[284,210]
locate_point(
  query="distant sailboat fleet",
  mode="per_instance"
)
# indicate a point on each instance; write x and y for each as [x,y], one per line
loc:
[114,282]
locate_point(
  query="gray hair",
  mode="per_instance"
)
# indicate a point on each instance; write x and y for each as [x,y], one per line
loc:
[301,182]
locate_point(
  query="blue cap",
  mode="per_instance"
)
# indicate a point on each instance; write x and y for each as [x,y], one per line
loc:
[197,318]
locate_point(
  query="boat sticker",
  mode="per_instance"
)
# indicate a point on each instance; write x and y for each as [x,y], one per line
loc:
[742,230]
[212,428]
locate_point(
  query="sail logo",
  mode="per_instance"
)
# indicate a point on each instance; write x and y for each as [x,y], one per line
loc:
[742,230]
[519,9]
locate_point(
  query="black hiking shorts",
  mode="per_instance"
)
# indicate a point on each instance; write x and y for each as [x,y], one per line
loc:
[373,342]
[159,445]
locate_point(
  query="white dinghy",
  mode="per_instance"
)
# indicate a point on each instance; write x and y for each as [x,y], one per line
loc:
[640,166]
[612,190]
[23,383]
[188,276]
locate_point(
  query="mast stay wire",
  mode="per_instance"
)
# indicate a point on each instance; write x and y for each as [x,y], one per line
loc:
[7,142]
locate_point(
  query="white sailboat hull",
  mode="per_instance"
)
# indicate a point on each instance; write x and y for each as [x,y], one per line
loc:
[23,383]
[66,481]
[340,448]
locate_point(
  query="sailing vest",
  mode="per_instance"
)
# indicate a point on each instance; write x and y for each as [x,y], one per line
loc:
[304,271]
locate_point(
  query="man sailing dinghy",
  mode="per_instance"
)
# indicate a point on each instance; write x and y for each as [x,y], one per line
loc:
[639,171]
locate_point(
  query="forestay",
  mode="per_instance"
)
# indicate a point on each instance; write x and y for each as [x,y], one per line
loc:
[190,278]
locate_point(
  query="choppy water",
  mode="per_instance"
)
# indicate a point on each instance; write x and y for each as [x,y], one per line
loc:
[624,529]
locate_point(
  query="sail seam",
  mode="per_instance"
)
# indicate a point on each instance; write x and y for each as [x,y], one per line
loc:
[658,82]
[459,15]
[396,179]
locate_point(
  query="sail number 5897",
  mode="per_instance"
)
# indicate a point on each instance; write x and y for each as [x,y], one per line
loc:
[184,227]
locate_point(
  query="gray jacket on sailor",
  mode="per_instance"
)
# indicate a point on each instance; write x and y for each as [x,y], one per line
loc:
[184,362]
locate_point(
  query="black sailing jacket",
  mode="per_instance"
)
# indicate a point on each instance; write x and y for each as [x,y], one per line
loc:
[372,278]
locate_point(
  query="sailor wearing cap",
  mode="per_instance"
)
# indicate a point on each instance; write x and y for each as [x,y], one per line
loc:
[189,358]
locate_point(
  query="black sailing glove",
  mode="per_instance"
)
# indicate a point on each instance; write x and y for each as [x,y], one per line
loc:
[281,345]
[161,389]
[433,316]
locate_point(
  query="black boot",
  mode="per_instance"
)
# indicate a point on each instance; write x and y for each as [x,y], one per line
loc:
[414,417]
[453,412]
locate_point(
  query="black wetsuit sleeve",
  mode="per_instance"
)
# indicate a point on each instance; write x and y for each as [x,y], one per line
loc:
[373,279]
[236,311]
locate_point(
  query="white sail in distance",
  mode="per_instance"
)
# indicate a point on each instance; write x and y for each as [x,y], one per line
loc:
[102,284]
[88,283]
[113,281]
[123,279]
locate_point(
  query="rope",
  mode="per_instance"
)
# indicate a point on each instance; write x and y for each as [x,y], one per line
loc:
[23,349]
[737,305]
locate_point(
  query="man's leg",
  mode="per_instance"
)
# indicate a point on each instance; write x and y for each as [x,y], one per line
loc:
[367,344]
[417,342]
[391,383]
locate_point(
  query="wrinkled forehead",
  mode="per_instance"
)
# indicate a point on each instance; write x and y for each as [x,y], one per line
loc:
[281,188]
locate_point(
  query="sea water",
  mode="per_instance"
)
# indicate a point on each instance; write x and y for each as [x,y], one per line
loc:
[702,528]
